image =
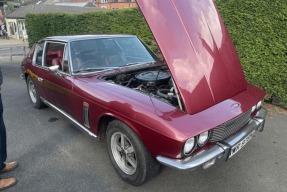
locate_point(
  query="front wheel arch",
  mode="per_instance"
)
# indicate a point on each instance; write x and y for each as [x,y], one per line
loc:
[103,124]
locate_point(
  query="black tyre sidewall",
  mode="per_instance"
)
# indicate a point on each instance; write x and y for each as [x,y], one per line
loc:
[143,157]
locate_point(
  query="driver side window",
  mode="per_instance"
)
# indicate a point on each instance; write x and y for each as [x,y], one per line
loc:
[54,54]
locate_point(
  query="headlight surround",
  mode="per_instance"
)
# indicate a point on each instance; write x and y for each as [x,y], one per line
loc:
[189,145]
[203,138]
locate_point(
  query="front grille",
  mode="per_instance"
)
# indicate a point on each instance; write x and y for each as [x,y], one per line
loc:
[228,128]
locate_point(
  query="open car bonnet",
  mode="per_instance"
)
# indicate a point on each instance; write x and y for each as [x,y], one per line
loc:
[198,50]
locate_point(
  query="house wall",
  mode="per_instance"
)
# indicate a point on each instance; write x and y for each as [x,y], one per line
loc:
[1,18]
[16,28]
[11,25]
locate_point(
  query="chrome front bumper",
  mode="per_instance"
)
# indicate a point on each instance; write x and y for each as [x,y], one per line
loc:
[219,151]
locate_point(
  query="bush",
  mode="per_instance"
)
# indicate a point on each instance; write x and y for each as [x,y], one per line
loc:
[125,21]
[258,29]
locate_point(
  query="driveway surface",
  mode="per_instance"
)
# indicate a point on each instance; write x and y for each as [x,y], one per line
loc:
[56,156]
[13,47]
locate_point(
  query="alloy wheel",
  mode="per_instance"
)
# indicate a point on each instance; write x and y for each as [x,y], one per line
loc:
[123,153]
[32,92]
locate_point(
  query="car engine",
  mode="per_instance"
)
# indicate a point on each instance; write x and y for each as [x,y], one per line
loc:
[155,82]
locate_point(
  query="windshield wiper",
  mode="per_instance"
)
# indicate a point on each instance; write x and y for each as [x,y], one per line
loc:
[135,63]
[94,69]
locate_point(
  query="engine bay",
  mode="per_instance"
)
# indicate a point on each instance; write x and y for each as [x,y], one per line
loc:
[156,82]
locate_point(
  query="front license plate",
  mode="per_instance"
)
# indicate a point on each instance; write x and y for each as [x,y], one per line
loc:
[241,144]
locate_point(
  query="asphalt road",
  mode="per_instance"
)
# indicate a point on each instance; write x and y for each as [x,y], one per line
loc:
[56,156]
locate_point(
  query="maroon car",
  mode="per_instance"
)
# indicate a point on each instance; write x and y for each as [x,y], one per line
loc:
[186,111]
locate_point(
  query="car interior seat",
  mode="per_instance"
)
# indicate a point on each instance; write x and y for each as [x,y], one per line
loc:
[58,59]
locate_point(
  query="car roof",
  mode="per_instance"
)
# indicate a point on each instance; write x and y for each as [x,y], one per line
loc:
[70,38]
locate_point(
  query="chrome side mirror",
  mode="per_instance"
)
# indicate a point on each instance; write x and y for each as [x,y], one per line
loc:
[54,68]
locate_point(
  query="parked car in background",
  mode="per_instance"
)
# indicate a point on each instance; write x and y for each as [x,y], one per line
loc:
[186,111]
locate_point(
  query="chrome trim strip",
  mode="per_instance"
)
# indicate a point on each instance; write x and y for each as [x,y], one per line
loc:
[219,151]
[69,117]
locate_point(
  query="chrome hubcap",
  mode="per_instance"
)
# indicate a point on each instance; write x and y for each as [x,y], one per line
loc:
[32,92]
[123,153]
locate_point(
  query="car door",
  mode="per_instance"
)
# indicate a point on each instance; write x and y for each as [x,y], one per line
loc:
[56,86]
[37,66]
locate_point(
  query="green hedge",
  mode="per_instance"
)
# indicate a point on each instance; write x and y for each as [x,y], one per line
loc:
[125,21]
[259,31]
[257,27]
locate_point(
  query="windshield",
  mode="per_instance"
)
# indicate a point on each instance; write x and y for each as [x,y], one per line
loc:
[108,53]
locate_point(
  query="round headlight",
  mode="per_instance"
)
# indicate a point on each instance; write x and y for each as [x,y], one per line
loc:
[203,138]
[189,146]
[259,104]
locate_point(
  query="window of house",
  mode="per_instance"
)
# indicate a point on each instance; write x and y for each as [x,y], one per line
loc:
[12,28]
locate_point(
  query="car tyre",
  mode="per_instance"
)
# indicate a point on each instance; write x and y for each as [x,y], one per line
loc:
[33,94]
[128,154]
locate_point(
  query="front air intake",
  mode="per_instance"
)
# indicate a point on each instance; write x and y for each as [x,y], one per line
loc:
[230,127]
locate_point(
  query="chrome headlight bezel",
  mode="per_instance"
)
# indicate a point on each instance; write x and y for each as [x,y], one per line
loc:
[204,134]
[189,146]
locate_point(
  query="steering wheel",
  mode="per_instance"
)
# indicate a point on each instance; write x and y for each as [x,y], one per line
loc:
[88,64]
[88,52]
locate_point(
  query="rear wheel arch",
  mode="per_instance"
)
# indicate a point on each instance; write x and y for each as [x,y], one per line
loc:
[26,76]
